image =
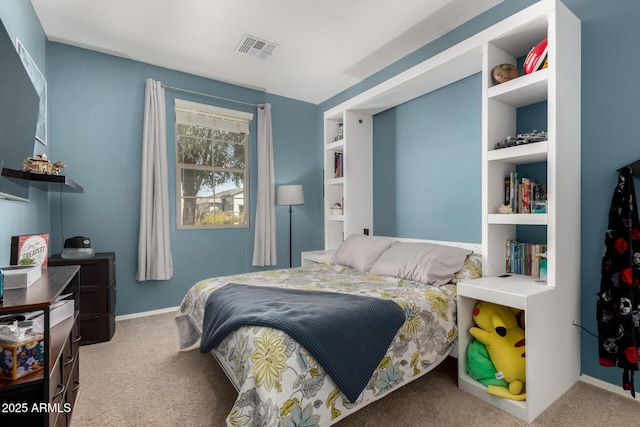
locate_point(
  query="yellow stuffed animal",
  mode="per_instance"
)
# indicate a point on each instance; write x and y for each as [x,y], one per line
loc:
[498,330]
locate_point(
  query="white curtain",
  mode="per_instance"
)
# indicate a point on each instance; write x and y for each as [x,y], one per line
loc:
[264,246]
[154,245]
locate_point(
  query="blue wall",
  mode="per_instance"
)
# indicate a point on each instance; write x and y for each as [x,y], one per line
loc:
[427,181]
[96,104]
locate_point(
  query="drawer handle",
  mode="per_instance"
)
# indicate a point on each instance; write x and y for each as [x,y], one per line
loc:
[76,387]
[62,389]
[69,361]
[77,339]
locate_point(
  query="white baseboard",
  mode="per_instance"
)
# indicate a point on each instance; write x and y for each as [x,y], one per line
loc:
[607,386]
[146,313]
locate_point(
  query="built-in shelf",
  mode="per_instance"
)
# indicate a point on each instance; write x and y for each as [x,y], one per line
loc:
[520,154]
[44,181]
[525,90]
[518,218]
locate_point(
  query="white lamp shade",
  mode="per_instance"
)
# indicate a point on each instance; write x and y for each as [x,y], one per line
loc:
[290,195]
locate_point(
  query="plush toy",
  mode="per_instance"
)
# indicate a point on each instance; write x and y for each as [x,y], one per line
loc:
[498,330]
[480,367]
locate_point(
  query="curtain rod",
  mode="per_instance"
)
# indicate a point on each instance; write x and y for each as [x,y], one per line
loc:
[210,96]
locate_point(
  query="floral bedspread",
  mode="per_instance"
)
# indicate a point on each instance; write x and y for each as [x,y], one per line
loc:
[281,384]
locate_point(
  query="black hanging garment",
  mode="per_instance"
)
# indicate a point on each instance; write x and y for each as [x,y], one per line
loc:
[618,302]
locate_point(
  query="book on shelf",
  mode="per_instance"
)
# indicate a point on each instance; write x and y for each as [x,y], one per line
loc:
[521,193]
[527,194]
[523,258]
[338,167]
[507,191]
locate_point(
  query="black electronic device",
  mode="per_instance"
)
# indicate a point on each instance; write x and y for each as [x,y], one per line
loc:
[77,247]
[19,109]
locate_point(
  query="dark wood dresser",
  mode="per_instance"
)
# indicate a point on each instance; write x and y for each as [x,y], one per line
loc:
[96,321]
[45,397]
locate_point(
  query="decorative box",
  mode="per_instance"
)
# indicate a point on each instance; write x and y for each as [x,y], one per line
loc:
[20,276]
[20,359]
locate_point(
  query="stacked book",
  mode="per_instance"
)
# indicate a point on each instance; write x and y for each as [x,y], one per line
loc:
[524,258]
[523,194]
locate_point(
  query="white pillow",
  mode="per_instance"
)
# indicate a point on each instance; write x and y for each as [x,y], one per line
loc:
[423,262]
[360,252]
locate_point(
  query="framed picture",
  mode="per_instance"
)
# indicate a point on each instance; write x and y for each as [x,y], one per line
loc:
[30,249]
[41,87]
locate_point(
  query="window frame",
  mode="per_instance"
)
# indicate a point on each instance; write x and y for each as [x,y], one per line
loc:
[215,118]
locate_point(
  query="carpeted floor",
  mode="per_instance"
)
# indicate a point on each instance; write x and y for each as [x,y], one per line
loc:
[140,378]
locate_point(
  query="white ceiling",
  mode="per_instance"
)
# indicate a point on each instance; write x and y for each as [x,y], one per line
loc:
[324,47]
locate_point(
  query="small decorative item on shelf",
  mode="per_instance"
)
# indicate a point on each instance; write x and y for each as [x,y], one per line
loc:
[540,206]
[504,72]
[340,134]
[537,58]
[542,258]
[505,209]
[336,209]
[40,164]
[521,139]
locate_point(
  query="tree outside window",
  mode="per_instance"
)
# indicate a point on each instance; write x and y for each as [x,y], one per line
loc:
[211,171]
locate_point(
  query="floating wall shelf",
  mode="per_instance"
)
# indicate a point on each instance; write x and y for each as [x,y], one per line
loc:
[44,181]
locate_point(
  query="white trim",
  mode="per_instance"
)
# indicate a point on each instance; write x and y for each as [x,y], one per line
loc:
[211,109]
[606,386]
[147,313]
[475,247]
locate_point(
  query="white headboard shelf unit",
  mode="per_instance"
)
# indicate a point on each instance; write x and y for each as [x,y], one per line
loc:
[553,343]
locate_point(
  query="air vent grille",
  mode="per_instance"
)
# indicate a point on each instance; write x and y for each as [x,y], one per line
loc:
[250,45]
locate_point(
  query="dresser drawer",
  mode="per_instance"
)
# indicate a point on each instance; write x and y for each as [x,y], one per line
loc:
[95,299]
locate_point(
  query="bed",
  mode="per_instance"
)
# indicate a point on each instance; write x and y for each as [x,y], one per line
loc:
[280,383]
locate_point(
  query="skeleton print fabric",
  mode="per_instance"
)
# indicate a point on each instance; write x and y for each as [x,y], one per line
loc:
[618,302]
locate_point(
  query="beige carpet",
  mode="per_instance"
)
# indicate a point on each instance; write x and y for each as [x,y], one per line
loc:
[140,378]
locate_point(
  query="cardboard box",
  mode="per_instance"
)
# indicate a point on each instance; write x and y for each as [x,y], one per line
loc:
[20,359]
[20,276]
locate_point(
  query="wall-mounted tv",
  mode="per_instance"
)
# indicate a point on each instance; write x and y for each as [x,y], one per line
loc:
[19,106]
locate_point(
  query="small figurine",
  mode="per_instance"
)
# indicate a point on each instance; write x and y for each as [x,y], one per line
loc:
[40,164]
[504,72]
[336,209]
[522,138]
[505,209]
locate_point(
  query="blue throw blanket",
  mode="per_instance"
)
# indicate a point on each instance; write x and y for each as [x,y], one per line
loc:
[347,334]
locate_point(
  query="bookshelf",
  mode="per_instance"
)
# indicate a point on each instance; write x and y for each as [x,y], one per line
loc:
[553,342]
[551,307]
[348,170]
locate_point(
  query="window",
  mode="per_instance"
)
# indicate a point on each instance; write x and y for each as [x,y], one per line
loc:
[211,166]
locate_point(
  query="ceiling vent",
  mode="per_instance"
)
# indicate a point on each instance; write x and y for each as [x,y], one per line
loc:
[250,45]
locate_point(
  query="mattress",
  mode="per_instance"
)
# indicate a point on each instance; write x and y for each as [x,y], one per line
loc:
[280,383]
